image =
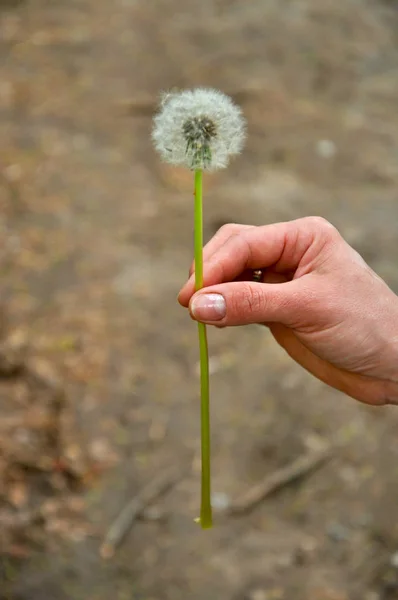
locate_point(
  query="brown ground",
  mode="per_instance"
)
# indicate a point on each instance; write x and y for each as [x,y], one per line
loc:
[99,386]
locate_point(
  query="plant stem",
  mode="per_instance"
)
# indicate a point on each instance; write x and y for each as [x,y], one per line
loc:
[205,509]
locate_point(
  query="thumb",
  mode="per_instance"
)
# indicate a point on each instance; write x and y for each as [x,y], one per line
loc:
[245,302]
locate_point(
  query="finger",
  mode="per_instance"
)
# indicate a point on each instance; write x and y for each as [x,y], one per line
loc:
[282,246]
[243,303]
[217,241]
[222,235]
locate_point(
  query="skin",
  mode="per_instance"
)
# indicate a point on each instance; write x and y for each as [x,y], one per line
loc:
[323,304]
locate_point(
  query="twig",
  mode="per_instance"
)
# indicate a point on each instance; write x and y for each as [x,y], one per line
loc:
[297,469]
[134,509]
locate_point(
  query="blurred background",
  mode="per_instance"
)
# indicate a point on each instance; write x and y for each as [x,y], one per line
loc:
[98,363]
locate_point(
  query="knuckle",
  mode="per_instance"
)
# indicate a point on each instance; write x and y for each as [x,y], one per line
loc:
[321,223]
[230,228]
[324,230]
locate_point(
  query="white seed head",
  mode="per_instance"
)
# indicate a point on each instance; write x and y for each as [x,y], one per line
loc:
[198,129]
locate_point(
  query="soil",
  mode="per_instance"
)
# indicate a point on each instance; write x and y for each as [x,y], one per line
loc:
[99,382]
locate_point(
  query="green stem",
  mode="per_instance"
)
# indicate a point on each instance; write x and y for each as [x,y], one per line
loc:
[205,509]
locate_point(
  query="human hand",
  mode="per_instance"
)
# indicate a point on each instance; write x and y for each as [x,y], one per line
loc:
[321,301]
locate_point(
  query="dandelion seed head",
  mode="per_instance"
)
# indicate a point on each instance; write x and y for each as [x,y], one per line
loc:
[198,129]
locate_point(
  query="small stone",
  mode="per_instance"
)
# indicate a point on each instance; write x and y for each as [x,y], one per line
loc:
[220,500]
[326,149]
[394,560]
[372,596]
[13,173]
[101,450]
[306,551]
[337,532]
[258,595]
[18,494]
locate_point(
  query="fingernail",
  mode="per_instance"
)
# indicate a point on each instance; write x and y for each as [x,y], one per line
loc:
[208,307]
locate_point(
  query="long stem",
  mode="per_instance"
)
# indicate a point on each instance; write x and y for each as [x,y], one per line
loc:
[206,519]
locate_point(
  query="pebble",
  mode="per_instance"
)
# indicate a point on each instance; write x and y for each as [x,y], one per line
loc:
[337,532]
[220,500]
[326,149]
[13,173]
[394,560]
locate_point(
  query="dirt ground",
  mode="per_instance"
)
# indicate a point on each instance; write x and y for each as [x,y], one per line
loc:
[99,382]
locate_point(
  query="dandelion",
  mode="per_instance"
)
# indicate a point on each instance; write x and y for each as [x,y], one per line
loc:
[200,129]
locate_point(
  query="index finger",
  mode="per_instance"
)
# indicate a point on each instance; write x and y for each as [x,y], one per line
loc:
[219,239]
[281,245]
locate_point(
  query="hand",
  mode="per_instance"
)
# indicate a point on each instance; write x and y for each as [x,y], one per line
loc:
[321,301]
